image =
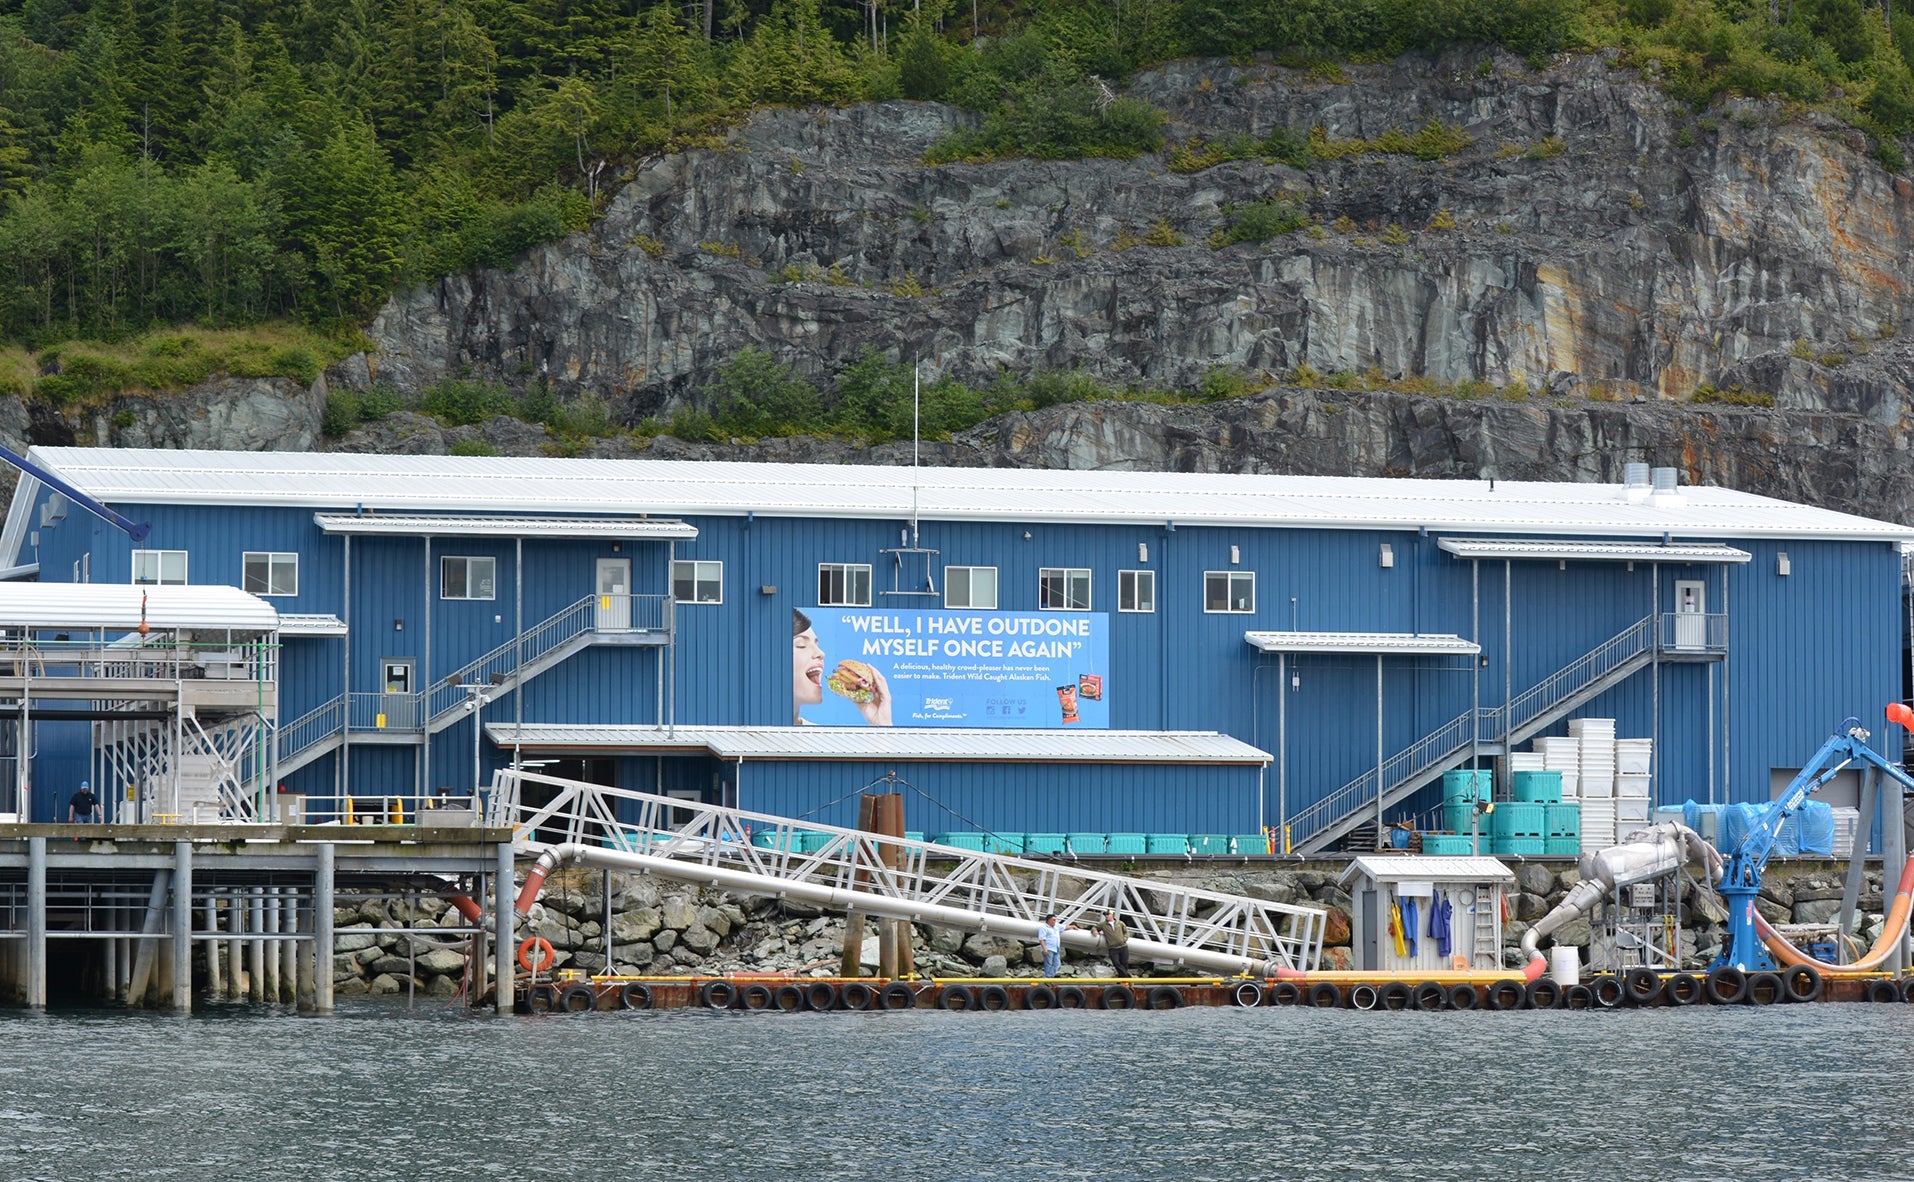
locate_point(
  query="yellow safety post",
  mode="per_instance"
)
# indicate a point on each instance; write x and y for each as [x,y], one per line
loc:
[397,815]
[349,810]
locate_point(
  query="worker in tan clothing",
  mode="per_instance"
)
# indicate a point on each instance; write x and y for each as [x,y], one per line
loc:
[1116,938]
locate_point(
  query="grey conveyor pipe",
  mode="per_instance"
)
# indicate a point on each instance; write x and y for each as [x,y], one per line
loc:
[865,903]
[1645,854]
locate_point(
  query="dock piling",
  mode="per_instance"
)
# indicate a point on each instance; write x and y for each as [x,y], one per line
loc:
[36,923]
[322,880]
[502,937]
[183,926]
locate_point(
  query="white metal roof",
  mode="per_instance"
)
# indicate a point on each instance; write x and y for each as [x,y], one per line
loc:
[316,624]
[545,484]
[1417,868]
[886,743]
[1556,551]
[444,526]
[115,607]
[1435,643]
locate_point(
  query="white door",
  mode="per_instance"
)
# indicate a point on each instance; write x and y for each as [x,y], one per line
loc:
[1691,614]
[614,595]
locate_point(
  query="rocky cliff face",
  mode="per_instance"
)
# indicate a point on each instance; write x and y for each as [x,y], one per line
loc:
[1593,256]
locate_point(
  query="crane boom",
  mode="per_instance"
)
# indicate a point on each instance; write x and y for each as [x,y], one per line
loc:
[136,530]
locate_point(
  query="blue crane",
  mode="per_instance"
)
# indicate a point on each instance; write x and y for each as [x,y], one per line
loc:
[136,530]
[1741,881]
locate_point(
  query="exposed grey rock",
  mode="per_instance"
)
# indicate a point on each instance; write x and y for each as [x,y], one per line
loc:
[677,913]
[641,923]
[1272,890]
[352,940]
[1816,910]
[983,945]
[447,986]
[442,960]
[715,919]
[944,940]
[699,939]
[994,966]
[637,955]
[385,984]
[1816,888]
[1529,907]
[1534,878]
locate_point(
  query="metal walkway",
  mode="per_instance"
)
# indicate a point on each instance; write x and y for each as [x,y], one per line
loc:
[876,875]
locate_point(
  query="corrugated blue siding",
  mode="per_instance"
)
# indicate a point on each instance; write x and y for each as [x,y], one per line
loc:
[1807,648]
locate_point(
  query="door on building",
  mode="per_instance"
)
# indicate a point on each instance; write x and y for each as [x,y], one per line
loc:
[1691,614]
[614,595]
[398,707]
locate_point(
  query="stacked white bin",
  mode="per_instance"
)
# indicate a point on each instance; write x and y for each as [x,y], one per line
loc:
[1564,756]
[1634,799]
[1595,755]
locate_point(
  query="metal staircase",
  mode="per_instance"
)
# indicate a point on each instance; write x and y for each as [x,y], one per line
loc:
[853,869]
[1495,729]
[647,619]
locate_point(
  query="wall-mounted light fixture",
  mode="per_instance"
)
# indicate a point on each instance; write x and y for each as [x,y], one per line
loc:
[1631,567]
[768,589]
[1387,556]
[1026,535]
[1561,564]
[1482,659]
[615,545]
[1782,566]
[1235,556]
[1142,551]
[398,625]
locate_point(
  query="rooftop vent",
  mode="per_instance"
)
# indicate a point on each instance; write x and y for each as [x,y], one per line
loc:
[1667,486]
[1635,486]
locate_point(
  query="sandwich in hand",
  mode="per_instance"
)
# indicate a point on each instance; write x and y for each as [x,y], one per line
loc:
[854,680]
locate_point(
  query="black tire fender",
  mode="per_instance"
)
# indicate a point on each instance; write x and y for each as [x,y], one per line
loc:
[1118,997]
[1325,996]
[636,995]
[993,997]
[1431,996]
[788,998]
[897,996]
[1766,989]
[718,995]
[542,998]
[1544,994]
[856,996]
[1070,997]
[1726,986]
[1506,995]
[1682,989]
[1578,997]
[1607,991]
[577,998]
[1803,982]
[1285,993]
[755,997]
[1396,995]
[1040,997]
[1364,996]
[1878,991]
[1462,996]
[1164,997]
[1642,985]
[956,997]
[821,995]
[1247,994]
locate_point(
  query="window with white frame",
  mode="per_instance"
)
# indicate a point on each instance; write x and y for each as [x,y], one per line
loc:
[1229,591]
[159,567]
[843,584]
[1063,589]
[270,572]
[697,581]
[1136,591]
[970,586]
[467,577]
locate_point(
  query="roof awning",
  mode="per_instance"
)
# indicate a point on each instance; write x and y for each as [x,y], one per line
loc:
[979,745]
[417,525]
[122,607]
[310,625]
[1413,868]
[1429,644]
[1551,550]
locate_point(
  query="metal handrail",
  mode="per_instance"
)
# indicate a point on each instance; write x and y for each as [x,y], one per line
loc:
[315,726]
[1474,726]
[780,849]
[1712,626]
[508,659]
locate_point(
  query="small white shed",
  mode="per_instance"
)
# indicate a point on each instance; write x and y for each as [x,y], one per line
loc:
[1436,910]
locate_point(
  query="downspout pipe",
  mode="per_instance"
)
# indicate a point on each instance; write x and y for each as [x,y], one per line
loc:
[866,903]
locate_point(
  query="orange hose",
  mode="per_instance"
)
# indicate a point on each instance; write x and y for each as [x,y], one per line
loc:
[1891,934]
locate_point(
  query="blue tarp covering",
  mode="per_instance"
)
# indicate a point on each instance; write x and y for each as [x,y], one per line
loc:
[1809,832]
[1817,828]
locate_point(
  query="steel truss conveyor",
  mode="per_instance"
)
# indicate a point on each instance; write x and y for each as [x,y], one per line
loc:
[876,875]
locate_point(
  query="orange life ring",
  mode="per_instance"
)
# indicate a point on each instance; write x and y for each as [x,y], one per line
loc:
[547,956]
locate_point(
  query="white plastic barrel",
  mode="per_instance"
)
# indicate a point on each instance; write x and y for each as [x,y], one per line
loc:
[1565,964]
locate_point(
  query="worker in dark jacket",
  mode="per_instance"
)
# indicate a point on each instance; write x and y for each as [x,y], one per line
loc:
[83,807]
[1116,938]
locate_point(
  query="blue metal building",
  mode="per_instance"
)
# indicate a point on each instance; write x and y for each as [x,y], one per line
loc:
[1043,651]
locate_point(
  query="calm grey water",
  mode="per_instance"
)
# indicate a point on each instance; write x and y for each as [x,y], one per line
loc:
[1808,1092]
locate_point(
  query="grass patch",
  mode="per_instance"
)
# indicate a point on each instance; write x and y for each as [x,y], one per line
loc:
[170,360]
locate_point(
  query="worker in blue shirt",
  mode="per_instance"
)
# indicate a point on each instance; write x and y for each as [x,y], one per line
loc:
[1050,938]
[83,807]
